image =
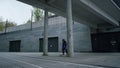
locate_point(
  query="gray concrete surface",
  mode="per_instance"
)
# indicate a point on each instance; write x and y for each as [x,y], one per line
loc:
[54,60]
[14,60]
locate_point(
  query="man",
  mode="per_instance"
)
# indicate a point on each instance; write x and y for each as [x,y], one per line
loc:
[64,47]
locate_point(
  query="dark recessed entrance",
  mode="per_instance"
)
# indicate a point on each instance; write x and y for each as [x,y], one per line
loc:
[14,46]
[52,44]
[106,42]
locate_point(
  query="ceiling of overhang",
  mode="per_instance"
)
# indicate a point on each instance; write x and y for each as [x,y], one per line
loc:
[117,2]
[108,7]
[79,11]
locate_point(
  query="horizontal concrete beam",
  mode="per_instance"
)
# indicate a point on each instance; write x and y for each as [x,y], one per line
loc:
[96,10]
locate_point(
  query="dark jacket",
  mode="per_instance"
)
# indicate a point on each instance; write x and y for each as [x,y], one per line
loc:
[64,45]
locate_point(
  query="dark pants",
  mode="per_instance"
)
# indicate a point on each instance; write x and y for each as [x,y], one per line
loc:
[64,50]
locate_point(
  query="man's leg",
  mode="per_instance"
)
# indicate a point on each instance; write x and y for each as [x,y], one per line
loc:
[66,51]
[63,51]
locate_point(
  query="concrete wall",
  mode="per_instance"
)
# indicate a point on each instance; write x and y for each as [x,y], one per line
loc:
[57,28]
[81,37]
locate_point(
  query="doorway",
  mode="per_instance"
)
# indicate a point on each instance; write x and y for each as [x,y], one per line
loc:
[14,46]
[106,42]
[52,44]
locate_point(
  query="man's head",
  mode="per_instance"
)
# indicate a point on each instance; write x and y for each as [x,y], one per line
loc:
[63,40]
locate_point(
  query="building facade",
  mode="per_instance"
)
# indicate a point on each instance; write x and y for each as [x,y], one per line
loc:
[23,39]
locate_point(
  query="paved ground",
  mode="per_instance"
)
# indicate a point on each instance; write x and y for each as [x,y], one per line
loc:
[54,60]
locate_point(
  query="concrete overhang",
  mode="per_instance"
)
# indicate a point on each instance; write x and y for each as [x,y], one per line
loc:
[95,13]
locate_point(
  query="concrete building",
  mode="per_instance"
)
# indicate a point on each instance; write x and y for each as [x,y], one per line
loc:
[96,14]
[22,38]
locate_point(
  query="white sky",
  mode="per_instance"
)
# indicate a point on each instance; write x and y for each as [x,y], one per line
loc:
[15,11]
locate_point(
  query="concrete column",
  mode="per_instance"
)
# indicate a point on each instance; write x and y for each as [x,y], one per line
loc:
[45,39]
[70,29]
